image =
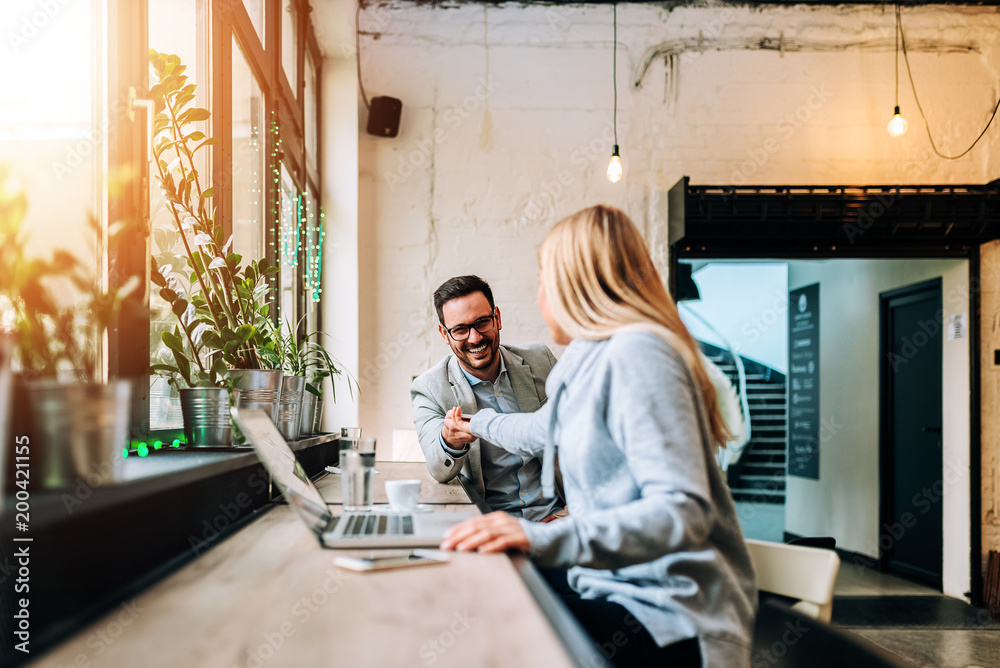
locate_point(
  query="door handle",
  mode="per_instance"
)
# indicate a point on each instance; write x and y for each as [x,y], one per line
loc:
[932,430]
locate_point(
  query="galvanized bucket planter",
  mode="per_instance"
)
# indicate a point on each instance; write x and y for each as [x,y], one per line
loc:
[290,406]
[259,388]
[318,419]
[206,416]
[79,430]
[308,419]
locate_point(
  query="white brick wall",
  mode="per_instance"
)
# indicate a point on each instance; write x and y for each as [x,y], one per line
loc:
[433,204]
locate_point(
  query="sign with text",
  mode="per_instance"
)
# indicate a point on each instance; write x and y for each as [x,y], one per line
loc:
[803,382]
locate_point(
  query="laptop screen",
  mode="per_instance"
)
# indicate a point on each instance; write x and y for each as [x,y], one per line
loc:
[285,470]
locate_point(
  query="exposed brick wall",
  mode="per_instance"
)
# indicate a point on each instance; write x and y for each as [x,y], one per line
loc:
[442,199]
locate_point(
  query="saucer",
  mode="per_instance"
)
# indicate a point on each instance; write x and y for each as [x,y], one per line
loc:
[386,508]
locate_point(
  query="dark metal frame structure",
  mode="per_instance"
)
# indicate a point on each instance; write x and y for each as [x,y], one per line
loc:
[823,222]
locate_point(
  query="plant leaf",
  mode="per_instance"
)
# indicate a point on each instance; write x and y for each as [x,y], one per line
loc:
[172,341]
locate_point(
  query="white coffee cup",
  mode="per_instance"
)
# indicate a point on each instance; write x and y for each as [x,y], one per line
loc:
[403,494]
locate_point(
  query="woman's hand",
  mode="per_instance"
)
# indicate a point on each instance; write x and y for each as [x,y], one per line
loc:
[455,431]
[495,532]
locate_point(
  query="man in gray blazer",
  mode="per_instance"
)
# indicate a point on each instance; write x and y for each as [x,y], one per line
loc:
[481,373]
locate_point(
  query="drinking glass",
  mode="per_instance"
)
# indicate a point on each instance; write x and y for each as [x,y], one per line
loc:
[349,436]
[356,482]
[366,448]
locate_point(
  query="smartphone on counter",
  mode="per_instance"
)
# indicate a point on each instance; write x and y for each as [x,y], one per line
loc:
[386,560]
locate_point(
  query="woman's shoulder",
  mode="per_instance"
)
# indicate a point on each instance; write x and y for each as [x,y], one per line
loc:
[642,342]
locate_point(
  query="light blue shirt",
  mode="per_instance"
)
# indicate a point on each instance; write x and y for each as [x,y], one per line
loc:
[513,482]
[653,527]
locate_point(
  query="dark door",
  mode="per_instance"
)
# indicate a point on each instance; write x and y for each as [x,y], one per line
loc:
[912,491]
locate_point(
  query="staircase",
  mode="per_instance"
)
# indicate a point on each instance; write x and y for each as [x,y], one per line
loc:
[759,475]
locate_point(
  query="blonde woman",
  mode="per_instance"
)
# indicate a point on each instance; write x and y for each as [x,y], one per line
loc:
[658,570]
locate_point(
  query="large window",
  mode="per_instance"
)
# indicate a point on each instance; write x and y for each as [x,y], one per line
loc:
[249,138]
[175,27]
[53,133]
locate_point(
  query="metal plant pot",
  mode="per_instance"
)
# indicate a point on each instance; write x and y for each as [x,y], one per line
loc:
[318,419]
[259,388]
[290,406]
[308,418]
[206,416]
[78,430]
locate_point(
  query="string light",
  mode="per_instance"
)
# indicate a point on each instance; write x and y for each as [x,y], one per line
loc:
[297,230]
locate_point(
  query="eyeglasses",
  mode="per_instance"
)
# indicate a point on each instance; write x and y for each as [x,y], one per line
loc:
[482,325]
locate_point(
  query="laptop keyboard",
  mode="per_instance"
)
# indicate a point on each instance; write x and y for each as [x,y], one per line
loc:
[379,525]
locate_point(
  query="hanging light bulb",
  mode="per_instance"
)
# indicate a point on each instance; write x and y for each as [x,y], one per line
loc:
[898,124]
[615,166]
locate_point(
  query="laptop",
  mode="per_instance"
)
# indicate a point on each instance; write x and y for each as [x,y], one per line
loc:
[349,529]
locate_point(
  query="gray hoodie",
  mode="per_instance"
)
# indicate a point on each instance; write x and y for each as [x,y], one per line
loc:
[652,526]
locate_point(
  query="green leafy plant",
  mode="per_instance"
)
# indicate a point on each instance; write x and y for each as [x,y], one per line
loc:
[307,358]
[54,335]
[221,305]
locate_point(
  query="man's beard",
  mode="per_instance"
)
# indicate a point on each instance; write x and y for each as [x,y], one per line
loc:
[492,346]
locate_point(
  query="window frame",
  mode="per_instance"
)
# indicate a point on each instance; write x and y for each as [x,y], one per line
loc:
[128,22]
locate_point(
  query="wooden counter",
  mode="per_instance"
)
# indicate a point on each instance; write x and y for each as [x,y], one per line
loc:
[269,595]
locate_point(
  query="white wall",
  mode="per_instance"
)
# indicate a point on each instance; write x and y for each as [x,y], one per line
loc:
[434,204]
[439,201]
[342,259]
[844,502]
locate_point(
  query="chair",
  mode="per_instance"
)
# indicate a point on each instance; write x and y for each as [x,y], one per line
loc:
[806,574]
[784,638]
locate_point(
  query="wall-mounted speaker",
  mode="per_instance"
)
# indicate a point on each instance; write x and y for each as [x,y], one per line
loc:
[383,116]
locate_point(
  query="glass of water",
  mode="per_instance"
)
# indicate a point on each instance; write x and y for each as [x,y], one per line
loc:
[349,437]
[357,481]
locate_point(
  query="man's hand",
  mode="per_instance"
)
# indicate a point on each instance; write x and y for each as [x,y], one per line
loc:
[456,431]
[495,532]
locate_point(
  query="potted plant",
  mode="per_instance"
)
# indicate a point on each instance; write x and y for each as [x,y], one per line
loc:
[58,313]
[309,363]
[220,303]
[281,351]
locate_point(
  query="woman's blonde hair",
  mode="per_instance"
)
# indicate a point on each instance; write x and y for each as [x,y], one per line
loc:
[599,279]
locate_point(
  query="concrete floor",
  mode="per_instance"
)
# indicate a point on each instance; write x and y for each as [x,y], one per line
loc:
[924,646]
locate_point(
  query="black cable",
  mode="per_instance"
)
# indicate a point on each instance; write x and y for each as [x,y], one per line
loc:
[614,68]
[357,54]
[909,72]
[897,55]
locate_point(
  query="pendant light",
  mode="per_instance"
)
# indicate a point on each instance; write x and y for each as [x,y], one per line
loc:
[898,124]
[615,165]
